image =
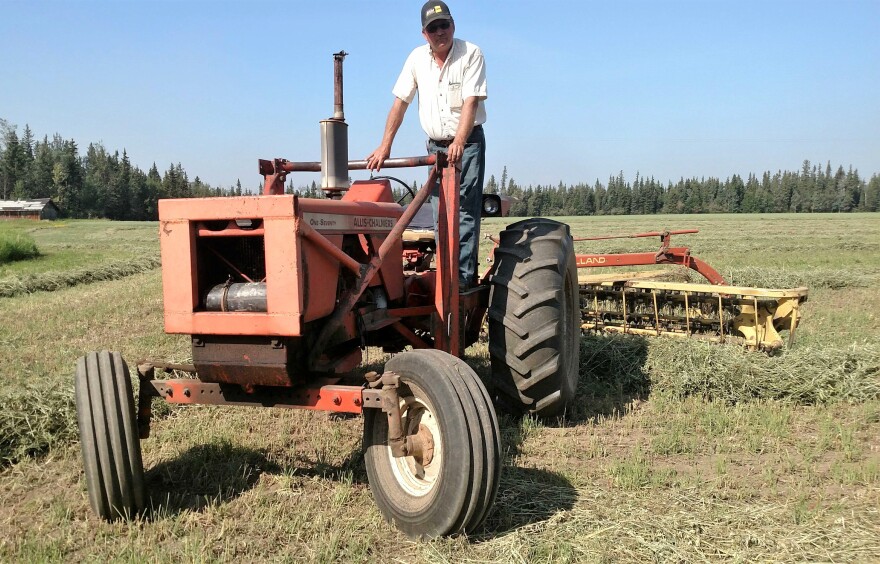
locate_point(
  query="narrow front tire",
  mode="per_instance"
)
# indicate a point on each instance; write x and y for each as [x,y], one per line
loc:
[109,439]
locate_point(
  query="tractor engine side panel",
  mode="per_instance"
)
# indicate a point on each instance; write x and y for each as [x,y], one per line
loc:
[332,218]
[212,248]
[207,241]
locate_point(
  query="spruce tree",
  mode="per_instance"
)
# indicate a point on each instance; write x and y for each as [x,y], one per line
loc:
[41,170]
[491,186]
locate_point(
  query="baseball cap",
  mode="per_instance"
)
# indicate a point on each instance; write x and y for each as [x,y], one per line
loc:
[434,10]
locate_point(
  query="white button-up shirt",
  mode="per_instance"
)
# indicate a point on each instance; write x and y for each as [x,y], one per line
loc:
[442,90]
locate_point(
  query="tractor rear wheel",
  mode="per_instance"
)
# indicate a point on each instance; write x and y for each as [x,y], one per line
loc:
[111,449]
[534,318]
[451,488]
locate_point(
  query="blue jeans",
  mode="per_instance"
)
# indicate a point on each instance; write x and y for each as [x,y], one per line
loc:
[473,168]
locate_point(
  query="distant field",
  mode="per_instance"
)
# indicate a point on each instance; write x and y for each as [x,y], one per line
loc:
[785,250]
[78,251]
[674,451]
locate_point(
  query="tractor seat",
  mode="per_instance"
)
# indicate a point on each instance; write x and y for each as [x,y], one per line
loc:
[420,230]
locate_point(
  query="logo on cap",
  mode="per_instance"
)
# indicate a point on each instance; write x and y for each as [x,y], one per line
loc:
[431,10]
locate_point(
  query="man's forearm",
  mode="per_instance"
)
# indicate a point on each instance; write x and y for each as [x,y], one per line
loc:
[392,124]
[466,120]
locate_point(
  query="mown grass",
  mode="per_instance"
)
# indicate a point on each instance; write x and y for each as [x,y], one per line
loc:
[41,334]
[77,252]
[770,251]
[56,280]
[673,450]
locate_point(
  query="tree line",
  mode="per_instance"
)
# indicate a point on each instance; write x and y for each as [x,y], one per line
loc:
[99,183]
[105,184]
[812,189]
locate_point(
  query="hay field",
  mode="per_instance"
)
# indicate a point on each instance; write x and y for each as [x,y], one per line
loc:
[673,451]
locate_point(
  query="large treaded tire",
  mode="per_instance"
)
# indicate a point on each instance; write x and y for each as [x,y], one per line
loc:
[111,449]
[455,491]
[534,318]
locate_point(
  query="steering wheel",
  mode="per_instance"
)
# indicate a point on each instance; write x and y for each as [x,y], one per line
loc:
[399,181]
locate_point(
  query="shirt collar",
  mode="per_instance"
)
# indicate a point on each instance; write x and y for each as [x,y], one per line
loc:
[448,55]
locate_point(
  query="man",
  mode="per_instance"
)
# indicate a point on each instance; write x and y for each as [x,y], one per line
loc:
[450,77]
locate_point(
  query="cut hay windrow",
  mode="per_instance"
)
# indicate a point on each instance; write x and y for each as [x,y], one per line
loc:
[803,376]
[38,417]
[614,365]
[634,366]
[33,420]
[52,281]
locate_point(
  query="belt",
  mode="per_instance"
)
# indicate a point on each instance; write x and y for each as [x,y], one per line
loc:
[447,142]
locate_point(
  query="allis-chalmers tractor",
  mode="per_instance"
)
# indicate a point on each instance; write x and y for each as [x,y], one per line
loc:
[281,294]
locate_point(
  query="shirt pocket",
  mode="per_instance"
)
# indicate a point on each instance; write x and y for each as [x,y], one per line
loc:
[455,96]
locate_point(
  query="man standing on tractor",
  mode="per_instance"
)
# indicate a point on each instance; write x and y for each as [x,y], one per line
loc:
[450,77]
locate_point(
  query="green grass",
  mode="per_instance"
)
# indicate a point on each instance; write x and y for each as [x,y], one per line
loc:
[673,450]
[75,252]
[16,246]
[771,251]
[79,245]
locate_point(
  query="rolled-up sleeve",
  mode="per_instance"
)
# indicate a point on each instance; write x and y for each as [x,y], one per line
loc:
[474,78]
[406,86]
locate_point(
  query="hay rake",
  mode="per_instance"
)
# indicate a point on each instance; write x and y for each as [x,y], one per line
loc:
[641,303]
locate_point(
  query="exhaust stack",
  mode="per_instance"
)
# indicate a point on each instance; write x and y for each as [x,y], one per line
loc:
[334,140]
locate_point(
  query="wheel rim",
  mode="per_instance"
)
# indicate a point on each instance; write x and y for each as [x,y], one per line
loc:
[418,476]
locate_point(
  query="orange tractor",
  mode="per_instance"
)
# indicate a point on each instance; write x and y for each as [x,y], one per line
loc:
[281,294]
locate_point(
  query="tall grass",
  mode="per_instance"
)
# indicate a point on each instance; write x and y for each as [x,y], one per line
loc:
[17,246]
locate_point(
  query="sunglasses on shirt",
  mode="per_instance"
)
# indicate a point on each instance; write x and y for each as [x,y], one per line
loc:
[435,26]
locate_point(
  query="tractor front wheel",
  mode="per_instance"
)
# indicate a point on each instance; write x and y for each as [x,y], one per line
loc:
[111,449]
[450,487]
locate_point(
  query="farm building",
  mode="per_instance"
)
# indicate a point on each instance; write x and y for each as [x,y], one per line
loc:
[41,208]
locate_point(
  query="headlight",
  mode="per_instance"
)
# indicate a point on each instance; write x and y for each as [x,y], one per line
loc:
[491,205]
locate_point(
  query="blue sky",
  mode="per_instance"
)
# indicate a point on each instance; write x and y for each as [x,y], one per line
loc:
[578,90]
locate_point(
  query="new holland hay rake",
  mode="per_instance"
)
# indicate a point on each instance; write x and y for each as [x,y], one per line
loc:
[639,304]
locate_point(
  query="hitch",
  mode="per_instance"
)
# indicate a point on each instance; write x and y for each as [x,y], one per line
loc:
[146,372]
